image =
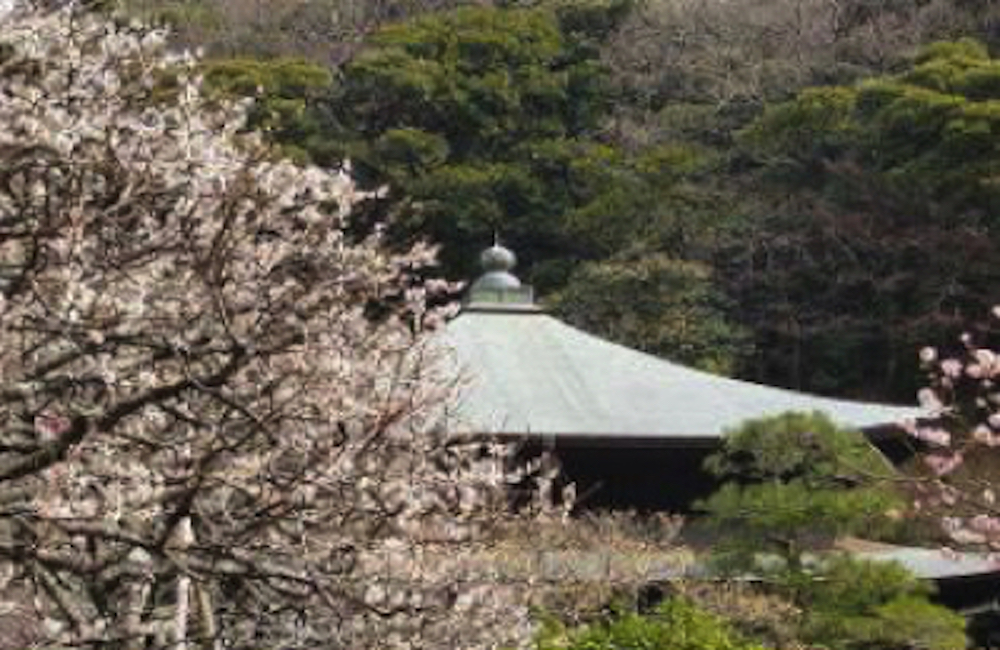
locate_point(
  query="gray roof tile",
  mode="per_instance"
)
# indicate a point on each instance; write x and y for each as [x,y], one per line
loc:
[526,372]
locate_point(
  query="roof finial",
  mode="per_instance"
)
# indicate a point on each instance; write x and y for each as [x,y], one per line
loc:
[496,258]
[497,285]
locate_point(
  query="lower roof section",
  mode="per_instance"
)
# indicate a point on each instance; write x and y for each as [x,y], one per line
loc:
[527,373]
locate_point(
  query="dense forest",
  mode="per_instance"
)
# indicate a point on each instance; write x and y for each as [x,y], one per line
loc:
[796,192]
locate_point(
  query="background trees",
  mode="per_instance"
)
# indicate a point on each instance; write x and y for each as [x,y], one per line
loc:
[655,304]
[483,120]
[867,183]
[741,138]
[323,31]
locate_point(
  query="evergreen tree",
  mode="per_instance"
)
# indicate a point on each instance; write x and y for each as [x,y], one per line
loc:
[798,483]
[487,119]
[795,483]
[847,261]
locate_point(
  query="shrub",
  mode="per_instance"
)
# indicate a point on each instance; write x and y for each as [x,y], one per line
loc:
[675,625]
[854,604]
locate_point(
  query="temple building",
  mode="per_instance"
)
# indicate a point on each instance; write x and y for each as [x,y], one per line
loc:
[630,429]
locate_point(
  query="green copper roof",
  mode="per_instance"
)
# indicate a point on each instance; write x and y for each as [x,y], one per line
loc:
[526,372]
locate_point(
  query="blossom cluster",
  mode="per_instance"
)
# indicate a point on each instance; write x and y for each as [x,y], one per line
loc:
[220,413]
[962,403]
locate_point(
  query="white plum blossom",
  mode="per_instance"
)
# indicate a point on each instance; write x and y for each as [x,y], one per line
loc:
[963,409]
[951,368]
[929,400]
[221,421]
[934,436]
[942,464]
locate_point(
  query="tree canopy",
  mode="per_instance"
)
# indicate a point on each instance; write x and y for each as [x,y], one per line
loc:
[819,160]
[658,305]
[484,120]
[870,187]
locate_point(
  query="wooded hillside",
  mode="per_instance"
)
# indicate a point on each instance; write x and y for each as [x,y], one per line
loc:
[798,192]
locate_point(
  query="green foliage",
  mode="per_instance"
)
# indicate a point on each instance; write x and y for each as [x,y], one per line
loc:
[965,48]
[486,119]
[592,22]
[482,77]
[869,223]
[818,123]
[853,587]
[930,130]
[800,482]
[807,446]
[177,13]
[280,78]
[656,304]
[780,513]
[674,625]
[854,604]
[804,482]
[787,519]
[286,91]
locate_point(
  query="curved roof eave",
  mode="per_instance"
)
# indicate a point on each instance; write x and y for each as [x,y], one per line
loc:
[526,373]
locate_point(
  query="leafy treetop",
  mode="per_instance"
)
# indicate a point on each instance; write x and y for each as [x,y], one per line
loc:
[797,482]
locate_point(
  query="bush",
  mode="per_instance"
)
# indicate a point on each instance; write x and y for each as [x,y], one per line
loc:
[675,625]
[856,604]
